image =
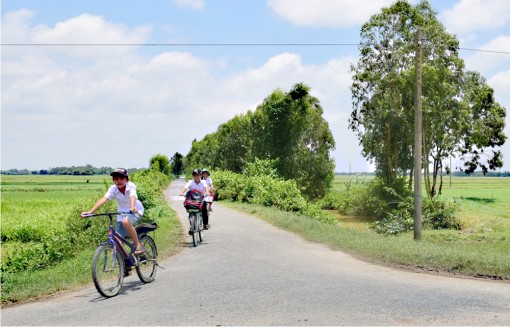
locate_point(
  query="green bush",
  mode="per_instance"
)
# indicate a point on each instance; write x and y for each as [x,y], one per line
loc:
[266,190]
[396,222]
[361,199]
[441,215]
[229,186]
[262,168]
[333,200]
[22,233]
[367,199]
[315,211]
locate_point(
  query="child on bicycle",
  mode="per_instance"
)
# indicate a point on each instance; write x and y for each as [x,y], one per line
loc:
[206,176]
[124,192]
[197,184]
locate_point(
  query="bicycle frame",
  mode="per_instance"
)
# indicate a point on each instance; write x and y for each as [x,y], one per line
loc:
[118,241]
[196,225]
[192,216]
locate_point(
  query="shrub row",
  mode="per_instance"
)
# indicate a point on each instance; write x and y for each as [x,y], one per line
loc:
[29,249]
[267,191]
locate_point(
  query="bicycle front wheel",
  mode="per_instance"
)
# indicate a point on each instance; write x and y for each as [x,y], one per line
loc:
[147,264]
[107,270]
[201,228]
[194,228]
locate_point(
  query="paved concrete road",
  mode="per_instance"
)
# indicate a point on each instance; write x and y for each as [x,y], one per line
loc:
[250,273]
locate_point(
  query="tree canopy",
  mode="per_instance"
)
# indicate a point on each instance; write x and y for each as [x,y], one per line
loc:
[287,128]
[161,163]
[177,164]
[460,115]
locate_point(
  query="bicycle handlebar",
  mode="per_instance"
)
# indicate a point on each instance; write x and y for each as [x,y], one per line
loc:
[110,213]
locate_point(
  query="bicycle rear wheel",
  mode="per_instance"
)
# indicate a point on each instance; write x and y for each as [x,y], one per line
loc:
[107,271]
[147,264]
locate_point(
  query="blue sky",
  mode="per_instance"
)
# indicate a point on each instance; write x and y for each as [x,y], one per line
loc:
[120,105]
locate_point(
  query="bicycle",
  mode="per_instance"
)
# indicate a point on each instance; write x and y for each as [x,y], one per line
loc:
[196,226]
[112,262]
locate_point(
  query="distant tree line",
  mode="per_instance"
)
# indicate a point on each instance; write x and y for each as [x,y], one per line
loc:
[77,171]
[455,173]
[481,174]
[176,166]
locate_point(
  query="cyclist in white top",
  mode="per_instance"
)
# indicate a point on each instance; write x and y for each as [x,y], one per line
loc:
[124,192]
[206,176]
[198,184]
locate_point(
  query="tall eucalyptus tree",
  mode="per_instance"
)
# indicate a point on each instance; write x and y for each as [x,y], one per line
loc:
[383,97]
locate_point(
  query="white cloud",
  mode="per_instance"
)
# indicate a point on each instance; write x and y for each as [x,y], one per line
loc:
[15,26]
[329,13]
[501,81]
[83,29]
[194,4]
[476,15]
[484,61]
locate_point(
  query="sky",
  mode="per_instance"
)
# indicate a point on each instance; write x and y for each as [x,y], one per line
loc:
[171,71]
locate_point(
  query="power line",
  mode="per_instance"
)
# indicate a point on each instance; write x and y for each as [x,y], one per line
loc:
[182,44]
[482,50]
[210,45]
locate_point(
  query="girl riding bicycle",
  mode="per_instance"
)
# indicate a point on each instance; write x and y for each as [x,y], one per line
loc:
[197,184]
[206,176]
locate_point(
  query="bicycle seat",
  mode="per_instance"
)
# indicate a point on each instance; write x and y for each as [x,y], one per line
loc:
[145,228]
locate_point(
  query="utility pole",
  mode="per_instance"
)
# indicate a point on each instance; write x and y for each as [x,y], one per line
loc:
[418,198]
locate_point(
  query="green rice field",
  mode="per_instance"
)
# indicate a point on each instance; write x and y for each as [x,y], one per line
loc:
[485,201]
[37,203]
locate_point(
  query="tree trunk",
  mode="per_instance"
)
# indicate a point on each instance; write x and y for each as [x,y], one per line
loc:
[426,171]
[388,155]
[411,173]
[434,177]
[441,179]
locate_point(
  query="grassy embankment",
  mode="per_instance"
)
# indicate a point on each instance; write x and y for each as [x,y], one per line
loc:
[35,205]
[481,248]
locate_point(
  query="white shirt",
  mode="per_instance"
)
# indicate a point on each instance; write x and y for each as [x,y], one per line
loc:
[208,197]
[192,185]
[208,181]
[123,202]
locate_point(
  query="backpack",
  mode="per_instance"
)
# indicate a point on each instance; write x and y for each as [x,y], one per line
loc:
[193,200]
